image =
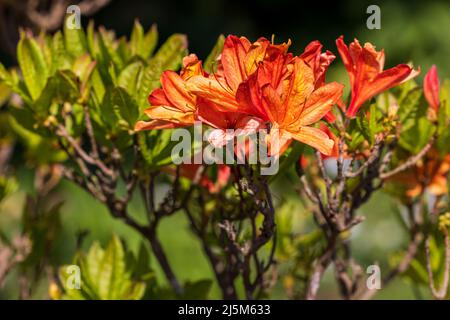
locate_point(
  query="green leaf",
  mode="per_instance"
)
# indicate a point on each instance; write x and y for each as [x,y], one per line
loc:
[108,48]
[39,149]
[142,265]
[171,53]
[150,42]
[91,40]
[5,93]
[107,113]
[409,108]
[125,106]
[130,77]
[210,64]
[137,39]
[60,88]
[97,84]
[75,40]
[65,274]
[4,74]
[106,274]
[123,50]
[60,57]
[149,82]
[92,265]
[168,57]
[32,63]
[156,147]
[364,127]
[112,270]
[415,138]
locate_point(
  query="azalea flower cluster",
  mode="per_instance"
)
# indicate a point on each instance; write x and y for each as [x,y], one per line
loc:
[261,85]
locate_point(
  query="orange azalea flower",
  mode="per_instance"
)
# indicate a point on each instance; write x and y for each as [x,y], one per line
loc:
[319,62]
[365,69]
[431,171]
[431,88]
[173,106]
[239,59]
[293,104]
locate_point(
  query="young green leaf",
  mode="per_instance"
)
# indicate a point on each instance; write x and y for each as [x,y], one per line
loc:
[171,53]
[32,63]
[150,42]
[75,40]
[125,106]
[137,39]
[108,48]
[106,274]
[130,77]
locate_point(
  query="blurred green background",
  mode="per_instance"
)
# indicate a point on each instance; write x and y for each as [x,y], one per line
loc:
[411,30]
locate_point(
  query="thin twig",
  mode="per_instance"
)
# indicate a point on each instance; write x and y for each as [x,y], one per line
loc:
[410,161]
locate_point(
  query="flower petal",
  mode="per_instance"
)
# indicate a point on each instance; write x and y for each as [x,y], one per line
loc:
[155,125]
[320,103]
[168,113]
[301,85]
[211,89]
[278,141]
[210,114]
[175,90]
[191,67]
[431,88]
[346,58]
[232,59]
[383,81]
[158,98]
[316,138]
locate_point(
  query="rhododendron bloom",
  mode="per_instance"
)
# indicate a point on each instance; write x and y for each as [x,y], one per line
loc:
[239,59]
[216,93]
[173,106]
[365,69]
[431,88]
[294,104]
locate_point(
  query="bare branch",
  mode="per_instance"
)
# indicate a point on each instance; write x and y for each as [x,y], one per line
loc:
[409,162]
